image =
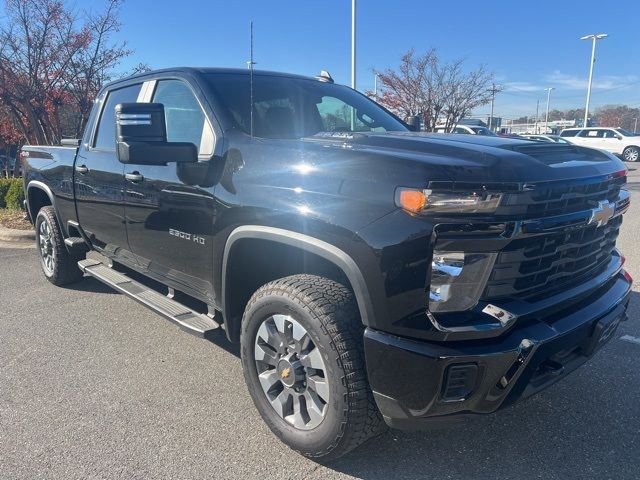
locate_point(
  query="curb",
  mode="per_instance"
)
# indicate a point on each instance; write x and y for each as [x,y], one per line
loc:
[12,235]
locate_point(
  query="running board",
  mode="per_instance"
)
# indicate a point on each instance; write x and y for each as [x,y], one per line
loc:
[187,319]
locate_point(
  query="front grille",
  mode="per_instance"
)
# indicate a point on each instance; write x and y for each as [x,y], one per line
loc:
[545,264]
[558,198]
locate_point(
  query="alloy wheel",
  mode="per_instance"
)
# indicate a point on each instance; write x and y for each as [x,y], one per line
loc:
[631,154]
[45,244]
[291,372]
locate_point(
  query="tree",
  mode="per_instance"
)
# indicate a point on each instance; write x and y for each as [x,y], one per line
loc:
[424,85]
[615,116]
[53,61]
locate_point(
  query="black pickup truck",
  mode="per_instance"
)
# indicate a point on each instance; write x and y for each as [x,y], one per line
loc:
[372,274]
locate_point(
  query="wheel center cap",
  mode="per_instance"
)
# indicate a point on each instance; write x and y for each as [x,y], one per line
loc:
[286,373]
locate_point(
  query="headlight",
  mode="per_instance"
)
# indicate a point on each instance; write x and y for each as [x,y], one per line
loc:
[457,279]
[426,201]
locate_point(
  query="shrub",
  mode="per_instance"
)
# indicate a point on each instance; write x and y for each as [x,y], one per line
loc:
[5,183]
[15,195]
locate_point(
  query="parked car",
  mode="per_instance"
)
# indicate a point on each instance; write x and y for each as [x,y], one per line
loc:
[370,274]
[7,166]
[468,130]
[615,140]
[545,138]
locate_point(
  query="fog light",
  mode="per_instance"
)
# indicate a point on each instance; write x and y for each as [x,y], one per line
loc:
[457,279]
[459,383]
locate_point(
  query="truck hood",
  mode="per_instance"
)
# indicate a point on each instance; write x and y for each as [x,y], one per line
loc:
[464,158]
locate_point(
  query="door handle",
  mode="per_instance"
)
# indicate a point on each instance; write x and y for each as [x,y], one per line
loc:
[134,177]
[82,169]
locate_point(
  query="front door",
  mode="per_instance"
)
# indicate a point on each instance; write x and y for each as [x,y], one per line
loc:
[99,180]
[611,141]
[170,210]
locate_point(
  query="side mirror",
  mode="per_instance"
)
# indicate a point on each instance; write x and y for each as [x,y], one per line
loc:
[413,122]
[141,137]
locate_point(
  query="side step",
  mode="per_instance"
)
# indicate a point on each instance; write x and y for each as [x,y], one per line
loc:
[76,245]
[190,321]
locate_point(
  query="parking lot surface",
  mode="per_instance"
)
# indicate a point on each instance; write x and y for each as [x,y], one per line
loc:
[93,385]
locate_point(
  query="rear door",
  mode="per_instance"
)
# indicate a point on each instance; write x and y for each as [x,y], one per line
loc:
[99,178]
[171,209]
[589,138]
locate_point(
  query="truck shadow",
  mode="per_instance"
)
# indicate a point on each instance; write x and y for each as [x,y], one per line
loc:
[90,284]
[585,426]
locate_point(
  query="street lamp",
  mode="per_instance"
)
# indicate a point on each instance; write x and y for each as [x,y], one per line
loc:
[353,44]
[594,38]
[546,118]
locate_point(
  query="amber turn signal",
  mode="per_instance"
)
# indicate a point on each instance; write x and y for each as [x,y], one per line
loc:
[412,200]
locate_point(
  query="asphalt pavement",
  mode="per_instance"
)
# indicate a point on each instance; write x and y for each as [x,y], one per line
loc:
[93,385]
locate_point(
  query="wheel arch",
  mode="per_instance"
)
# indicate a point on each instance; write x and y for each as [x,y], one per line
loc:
[37,196]
[318,256]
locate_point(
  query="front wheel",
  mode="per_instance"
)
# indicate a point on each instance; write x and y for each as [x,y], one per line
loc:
[303,360]
[631,154]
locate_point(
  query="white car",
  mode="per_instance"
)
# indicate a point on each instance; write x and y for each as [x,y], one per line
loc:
[614,140]
[468,130]
[545,138]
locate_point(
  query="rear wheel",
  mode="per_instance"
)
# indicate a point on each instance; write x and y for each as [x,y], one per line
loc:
[631,154]
[58,265]
[304,365]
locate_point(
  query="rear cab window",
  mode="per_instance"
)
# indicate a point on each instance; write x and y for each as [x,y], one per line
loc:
[105,137]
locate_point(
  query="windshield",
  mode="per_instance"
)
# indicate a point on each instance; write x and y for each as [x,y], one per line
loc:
[627,133]
[286,107]
[483,131]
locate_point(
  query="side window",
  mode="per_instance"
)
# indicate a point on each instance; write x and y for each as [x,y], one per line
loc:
[185,119]
[105,138]
[610,134]
[592,133]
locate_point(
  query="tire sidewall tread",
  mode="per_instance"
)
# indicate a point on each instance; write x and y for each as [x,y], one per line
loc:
[328,312]
[65,268]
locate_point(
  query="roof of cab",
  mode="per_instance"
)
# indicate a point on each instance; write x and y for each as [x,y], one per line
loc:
[207,70]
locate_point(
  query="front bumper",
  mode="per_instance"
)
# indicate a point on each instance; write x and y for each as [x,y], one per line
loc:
[417,383]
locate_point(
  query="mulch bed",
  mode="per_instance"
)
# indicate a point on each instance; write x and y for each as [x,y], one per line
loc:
[14,219]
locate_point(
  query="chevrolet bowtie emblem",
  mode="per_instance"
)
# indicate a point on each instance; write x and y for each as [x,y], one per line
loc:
[602,214]
[285,372]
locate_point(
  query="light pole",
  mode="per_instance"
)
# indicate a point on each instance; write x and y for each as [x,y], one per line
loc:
[635,125]
[546,118]
[493,91]
[353,44]
[594,38]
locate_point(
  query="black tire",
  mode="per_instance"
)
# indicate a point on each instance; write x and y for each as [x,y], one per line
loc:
[327,311]
[62,267]
[631,154]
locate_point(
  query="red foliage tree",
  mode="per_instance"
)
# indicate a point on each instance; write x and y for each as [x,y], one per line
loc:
[52,63]
[438,91]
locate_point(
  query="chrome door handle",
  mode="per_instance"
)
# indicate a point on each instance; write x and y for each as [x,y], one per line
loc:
[82,169]
[134,177]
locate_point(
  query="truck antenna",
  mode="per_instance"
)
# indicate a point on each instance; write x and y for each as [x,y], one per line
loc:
[250,64]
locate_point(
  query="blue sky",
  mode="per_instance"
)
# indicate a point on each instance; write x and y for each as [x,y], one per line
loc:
[528,45]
